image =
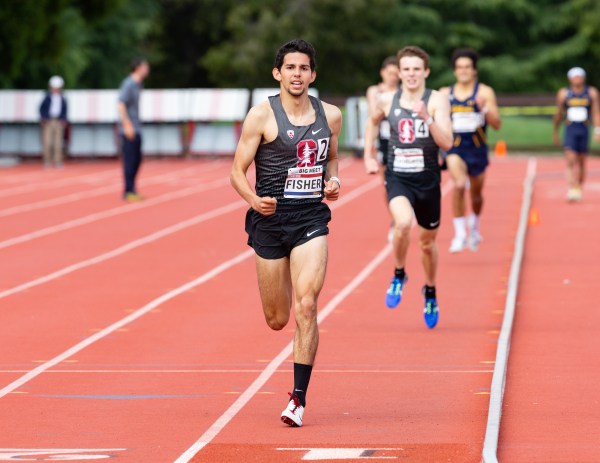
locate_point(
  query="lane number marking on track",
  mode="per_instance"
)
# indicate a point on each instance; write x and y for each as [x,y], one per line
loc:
[324,454]
[57,454]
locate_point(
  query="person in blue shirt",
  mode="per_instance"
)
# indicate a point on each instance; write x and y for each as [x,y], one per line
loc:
[576,105]
[473,107]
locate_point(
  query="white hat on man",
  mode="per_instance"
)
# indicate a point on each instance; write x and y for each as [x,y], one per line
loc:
[56,82]
[576,72]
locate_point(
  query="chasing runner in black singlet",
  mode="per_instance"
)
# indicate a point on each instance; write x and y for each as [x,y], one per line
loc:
[293,141]
[420,125]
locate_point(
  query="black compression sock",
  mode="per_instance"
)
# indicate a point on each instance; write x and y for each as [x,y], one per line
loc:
[429,291]
[301,378]
[399,273]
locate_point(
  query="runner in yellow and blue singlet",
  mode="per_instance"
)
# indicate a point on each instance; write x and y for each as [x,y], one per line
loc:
[474,108]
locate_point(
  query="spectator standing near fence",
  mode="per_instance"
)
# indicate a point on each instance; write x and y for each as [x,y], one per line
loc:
[53,115]
[130,126]
[576,106]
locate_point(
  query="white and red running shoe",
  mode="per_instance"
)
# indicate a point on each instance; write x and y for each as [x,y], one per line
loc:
[292,415]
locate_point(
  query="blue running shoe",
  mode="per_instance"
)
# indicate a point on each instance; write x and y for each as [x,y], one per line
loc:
[394,292]
[431,311]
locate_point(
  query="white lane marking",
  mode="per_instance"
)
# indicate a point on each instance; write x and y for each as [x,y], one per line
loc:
[492,430]
[115,187]
[343,453]
[125,248]
[153,237]
[125,321]
[270,369]
[56,454]
[116,211]
[154,303]
[96,216]
[257,370]
[33,185]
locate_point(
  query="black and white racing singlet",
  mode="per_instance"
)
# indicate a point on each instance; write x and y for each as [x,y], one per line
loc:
[412,149]
[292,167]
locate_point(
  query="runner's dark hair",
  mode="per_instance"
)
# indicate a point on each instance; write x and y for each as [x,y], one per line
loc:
[389,61]
[465,53]
[296,46]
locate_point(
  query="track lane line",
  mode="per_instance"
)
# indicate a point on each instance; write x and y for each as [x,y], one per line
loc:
[126,247]
[34,185]
[120,210]
[161,299]
[125,321]
[272,367]
[115,187]
[492,431]
[96,216]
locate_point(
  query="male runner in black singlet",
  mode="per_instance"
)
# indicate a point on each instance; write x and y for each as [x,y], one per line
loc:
[293,141]
[420,124]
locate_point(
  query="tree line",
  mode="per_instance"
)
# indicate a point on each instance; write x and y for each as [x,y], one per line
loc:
[525,46]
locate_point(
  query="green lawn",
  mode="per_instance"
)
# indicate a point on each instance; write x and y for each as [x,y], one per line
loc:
[522,132]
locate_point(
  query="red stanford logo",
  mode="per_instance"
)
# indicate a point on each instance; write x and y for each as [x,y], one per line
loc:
[406,131]
[306,151]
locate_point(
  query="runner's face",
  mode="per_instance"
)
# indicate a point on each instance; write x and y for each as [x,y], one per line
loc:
[464,71]
[577,81]
[413,72]
[389,75]
[295,74]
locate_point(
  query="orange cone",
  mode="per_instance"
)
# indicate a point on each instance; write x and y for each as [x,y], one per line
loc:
[534,217]
[500,149]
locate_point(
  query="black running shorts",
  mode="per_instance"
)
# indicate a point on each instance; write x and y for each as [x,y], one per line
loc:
[423,193]
[274,236]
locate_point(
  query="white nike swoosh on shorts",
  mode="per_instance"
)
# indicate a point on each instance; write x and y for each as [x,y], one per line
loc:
[312,232]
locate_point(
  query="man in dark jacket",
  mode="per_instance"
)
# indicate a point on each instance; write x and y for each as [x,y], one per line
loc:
[53,115]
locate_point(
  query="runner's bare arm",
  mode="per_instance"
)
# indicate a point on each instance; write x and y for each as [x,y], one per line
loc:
[334,120]
[372,101]
[252,135]
[440,125]
[559,115]
[371,128]
[595,112]
[489,106]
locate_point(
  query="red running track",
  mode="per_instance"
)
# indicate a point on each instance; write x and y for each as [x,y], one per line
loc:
[129,330]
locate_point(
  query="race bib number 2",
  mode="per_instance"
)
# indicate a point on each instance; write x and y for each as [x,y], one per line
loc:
[304,182]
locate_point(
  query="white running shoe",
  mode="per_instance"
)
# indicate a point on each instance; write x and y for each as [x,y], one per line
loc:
[292,415]
[458,244]
[574,195]
[475,239]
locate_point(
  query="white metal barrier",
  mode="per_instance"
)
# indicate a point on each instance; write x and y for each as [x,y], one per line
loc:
[198,121]
[355,120]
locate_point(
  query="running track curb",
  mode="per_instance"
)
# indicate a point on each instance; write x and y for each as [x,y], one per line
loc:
[492,430]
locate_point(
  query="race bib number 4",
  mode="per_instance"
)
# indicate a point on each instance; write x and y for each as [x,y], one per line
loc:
[411,129]
[577,114]
[304,182]
[409,160]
